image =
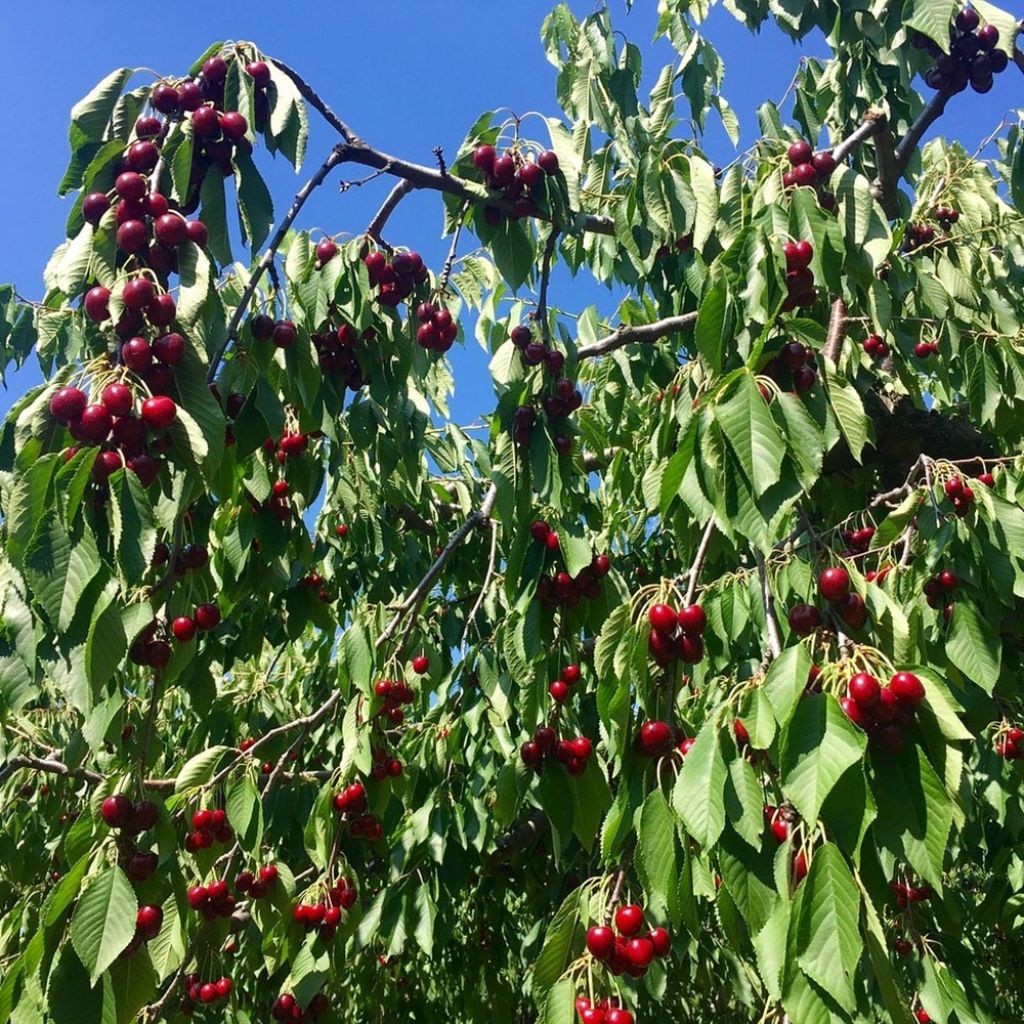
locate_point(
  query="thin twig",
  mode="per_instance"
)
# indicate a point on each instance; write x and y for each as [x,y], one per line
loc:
[487,580]
[380,218]
[620,879]
[541,316]
[843,149]
[627,334]
[313,98]
[768,600]
[449,263]
[337,156]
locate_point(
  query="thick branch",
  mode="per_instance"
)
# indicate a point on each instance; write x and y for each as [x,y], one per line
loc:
[336,157]
[931,113]
[885,187]
[836,332]
[45,764]
[627,334]
[868,128]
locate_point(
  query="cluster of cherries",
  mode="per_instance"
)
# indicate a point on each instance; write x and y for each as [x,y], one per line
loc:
[207,826]
[119,812]
[213,900]
[1009,742]
[857,541]
[906,894]
[204,993]
[283,333]
[605,1011]
[256,885]
[285,1008]
[217,133]
[290,445]
[351,800]
[683,244]
[676,634]
[563,400]
[562,686]
[946,216]
[883,711]
[393,694]
[799,276]
[396,278]
[383,765]
[566,590]
[938,588]
[204,618]
[438,329]
[918,235]
[875,346]
[972,59]
[799,361]
[778,820]
[519,179]
[336,354]
[628,952]
[573,752]
[834,586]
[810,170]
[324,917]
[960,493]
[924,349]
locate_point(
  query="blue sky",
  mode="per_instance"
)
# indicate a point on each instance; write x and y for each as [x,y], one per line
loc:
[407,75]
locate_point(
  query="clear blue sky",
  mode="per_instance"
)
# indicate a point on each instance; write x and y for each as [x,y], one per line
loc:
[408,75]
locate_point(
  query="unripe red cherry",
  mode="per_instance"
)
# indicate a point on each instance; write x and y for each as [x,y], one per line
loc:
[834,583]
[207,617]
[629,919]
[663,618]
[116,810]
[159,412]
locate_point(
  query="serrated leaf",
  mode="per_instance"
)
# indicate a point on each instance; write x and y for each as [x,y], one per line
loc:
[198,770]
[699,794]
[104,921]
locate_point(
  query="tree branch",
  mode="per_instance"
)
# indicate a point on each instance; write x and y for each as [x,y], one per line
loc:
[931,113]
[629,333]
[313,98]
[868,127]
[698,561]
[336,157]
[453,249]
[394,197]
[518,838]
[45,764]
[885,186]
[836,332]
[771,623]
[541,315]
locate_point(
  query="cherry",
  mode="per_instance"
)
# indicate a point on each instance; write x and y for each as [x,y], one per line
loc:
[483,158]
[117,398]
[921,1013]
[571,675]
[136,354]
[284,334]
[142,156]
[169,230]
[655,737]
[207,617]
[559,691]
[183,628]
[805,175]
[116,810]
[259,72]
[741,733]
[132,237]
[94,206]
[208,992]
[96,304]
[824,163]
[692,619]
[159,412]
[326,250]
[663,618]
[137,293]
[421,664]
[689,648]
[197,233]
[864,689]
[618,1015]
[834,583]
[544,736]
[233,125]
[205,122]
[640,952]
[629,919]
[531,175]
[94,424]
[798,255]
[548,161]
[164,98]
[804,619]
[907,688]
[600,941]
[503,170]
[661,941]
[68,404]
[799,153]
[967,19]
[161,311]
[853,611]
[141,865]
[169,349]
[799,867]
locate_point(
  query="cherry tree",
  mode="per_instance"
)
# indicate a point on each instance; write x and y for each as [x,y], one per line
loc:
[684,684]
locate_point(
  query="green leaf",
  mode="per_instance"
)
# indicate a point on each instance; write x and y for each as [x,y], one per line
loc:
[785,681]
[849,410]
[752,434]
[59,568]
[513,250]
[104,921]
[198,770]
[195,274]
[714,327]
[932,17]
[557,950]
[818,746]
[699,794]
[829,945]
[656,846]
[255,207]
[973,646]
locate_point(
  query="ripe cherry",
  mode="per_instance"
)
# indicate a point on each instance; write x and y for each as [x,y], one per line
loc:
[207,617]
[640,952]
[184,629]
[421,664]
[284,334]
[548,161]
[834,583]
[692,619]
[94,424]
[116,810]
[159,412]
[148,921]
[169,349]
[907,688]
[559,691]
[663,618]
[259,72]
[600,941]
[94,206]
[96,304]
[864,688]
[68,404]
[799,153]
[233,125]
[326,250]
[117,398]
[629,919]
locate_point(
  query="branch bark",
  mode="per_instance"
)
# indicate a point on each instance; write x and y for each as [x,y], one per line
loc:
[931,113]
[885,186]
[698,561]
[627,334]
[518,838]
[335,157]
[771,623]
[394,197]
[836,332]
